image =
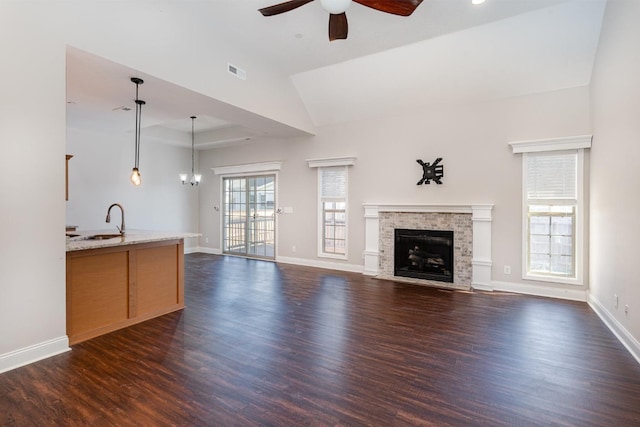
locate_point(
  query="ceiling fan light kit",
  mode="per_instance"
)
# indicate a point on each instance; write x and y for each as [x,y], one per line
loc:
[335,6]
[338,26]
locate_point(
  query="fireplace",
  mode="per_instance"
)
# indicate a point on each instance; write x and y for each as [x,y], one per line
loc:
[471,226]
[424,254]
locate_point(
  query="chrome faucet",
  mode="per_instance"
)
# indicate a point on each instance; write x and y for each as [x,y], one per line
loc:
[121,228]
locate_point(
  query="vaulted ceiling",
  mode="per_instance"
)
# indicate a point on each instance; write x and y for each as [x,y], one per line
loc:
[446,52]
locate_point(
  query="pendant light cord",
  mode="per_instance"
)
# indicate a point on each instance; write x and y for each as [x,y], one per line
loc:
[139,104]
[193,118]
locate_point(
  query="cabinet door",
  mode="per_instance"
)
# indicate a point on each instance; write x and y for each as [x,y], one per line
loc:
[97,293]
[156,279]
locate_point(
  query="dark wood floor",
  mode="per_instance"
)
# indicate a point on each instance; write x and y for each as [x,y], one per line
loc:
[278,345]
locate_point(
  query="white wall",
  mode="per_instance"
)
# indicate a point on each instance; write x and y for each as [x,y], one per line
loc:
[32,133]
[479,167]
[615,175]
[99,176]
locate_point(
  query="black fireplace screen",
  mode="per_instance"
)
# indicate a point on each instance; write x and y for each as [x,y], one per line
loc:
[424,254]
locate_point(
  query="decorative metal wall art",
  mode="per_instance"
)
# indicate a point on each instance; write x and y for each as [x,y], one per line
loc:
[430,172]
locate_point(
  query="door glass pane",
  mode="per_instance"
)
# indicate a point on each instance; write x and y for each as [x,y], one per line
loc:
[233,222]
[249,216]
[262,216]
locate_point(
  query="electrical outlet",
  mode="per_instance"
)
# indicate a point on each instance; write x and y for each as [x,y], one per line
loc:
[293,248]
[206,240]
[626,309]
[507,269]
[615,300]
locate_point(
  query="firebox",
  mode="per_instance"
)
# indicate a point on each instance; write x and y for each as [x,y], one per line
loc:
[424,254]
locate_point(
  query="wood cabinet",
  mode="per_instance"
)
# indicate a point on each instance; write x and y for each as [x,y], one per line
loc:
[114,287]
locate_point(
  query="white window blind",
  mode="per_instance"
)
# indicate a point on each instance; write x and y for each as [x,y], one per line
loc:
[333,182]
[552,175]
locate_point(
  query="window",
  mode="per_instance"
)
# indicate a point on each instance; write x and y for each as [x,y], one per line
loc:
[333,210]
[553,208]
[332,206]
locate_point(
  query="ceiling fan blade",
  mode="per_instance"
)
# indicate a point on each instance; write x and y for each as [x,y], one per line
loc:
[338,26]
[283,7]
[397,7]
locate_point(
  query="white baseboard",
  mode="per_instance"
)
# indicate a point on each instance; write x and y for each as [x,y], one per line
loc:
[212,251]
[353,268]
[33,353]
[482,287]
[297,261]
[631,344]
[537,290]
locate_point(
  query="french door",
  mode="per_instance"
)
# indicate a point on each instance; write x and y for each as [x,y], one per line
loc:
[249,222]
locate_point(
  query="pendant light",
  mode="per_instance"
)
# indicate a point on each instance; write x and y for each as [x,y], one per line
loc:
[195,178]
[135,173]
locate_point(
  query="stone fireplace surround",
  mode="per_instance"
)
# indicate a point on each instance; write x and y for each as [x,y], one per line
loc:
[471,225]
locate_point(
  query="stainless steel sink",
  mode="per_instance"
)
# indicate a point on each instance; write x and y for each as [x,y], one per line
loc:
[104,236]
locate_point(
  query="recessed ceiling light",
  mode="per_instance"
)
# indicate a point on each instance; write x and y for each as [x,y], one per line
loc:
[477,1]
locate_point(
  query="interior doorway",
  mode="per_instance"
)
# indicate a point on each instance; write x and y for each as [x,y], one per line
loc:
[249,220]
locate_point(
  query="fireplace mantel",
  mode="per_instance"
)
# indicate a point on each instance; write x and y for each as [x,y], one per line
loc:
[481,220]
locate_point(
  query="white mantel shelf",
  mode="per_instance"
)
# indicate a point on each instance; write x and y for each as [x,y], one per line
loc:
[478,210]
[481,215]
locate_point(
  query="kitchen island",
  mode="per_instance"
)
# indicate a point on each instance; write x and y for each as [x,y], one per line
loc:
[115,281]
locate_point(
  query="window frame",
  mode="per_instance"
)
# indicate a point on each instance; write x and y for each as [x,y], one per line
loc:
[321,215]
[253,169]
[248,202]
[320,165]
[578,224]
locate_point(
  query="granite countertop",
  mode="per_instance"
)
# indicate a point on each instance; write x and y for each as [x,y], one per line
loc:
[80,240]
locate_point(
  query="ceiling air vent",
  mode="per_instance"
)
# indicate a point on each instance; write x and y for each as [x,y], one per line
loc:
[238,72]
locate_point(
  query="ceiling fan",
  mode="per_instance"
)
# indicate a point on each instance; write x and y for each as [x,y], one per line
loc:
[338,26]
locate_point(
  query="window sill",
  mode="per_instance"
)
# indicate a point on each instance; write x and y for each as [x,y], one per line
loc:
[333,256]
[553,279]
